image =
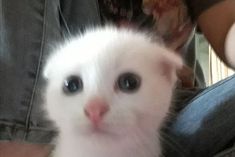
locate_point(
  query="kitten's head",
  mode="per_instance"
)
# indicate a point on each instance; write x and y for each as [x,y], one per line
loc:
[110,81]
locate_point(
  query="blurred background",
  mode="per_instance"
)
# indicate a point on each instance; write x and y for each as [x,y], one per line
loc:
[214,70]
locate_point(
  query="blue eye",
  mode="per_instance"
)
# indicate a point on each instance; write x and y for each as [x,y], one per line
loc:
[128,82]
[73,84]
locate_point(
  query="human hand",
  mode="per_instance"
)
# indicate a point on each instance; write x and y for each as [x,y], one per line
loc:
[21,149]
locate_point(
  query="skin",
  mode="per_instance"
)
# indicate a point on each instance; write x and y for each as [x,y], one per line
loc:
[214,23]
[20,149]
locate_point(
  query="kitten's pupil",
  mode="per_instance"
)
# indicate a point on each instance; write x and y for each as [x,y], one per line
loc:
[128,82]
[73,84]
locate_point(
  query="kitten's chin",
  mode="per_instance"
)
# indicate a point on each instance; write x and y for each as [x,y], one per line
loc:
[106,131]
[96,131]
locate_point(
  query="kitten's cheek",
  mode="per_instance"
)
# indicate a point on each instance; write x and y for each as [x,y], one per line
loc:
[79,117]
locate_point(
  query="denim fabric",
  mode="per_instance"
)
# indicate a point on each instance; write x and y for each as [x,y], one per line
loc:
[206,125]
[227,153]
[28,31]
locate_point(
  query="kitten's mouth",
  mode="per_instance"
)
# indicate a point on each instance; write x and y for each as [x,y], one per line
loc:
[99,131]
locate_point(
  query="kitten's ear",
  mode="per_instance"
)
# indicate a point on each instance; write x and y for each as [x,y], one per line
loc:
[230,46]
[170,64]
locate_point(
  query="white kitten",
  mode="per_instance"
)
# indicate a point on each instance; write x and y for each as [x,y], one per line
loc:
[108,93]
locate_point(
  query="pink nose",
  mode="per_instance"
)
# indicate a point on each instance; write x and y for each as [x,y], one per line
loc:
[95,110]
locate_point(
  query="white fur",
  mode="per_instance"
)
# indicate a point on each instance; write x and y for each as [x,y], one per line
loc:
[130,128]
[230,46]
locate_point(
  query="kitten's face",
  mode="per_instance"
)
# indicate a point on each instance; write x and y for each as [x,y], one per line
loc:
[124,77]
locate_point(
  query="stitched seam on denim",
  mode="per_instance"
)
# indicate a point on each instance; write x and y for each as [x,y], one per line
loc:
[11,124]
[212,88]
[40,129]
[15,125]
[3,23]
[98,10]
[1,8]
[2,12]
[64,21]
[38,72]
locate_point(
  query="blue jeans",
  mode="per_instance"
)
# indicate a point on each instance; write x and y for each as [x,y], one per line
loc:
[28,30]
[206,125]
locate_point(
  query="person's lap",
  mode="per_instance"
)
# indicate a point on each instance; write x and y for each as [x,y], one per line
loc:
[206,125]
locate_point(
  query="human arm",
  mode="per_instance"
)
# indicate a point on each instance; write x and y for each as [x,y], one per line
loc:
[215,22]
[23,149]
